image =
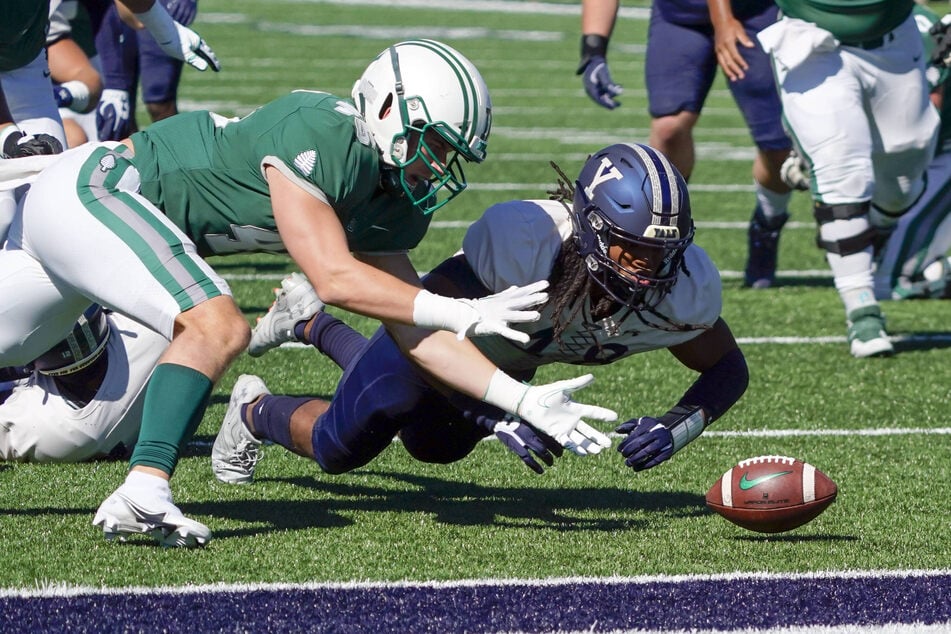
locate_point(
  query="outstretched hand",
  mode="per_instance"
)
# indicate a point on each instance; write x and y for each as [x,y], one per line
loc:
[191,49]
[495,312]
[648,443]
[550,409]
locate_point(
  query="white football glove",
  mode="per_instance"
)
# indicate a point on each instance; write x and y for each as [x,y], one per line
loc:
[794,172]
[484,316]
[178,41]
[549,409]
[192,49]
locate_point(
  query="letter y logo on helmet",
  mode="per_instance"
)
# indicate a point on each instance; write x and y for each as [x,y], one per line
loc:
[631,209]
[421,91]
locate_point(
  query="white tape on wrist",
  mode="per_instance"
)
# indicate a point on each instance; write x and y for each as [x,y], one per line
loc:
[441,313]
[505,392]
[80,93]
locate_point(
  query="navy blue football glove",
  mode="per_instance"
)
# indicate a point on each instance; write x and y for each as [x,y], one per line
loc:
[182,11]
[522,440]
[648,443]
[941,53]
[113,115]
[17,144]
[598,83]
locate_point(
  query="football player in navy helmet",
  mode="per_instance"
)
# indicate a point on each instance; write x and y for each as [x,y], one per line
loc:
[625,277]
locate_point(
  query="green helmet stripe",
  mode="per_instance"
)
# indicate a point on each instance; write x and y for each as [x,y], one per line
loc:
[466,82]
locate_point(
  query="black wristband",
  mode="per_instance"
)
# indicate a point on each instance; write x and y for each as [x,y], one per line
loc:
[592,45]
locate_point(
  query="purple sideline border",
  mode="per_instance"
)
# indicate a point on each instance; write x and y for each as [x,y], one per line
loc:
[586,605]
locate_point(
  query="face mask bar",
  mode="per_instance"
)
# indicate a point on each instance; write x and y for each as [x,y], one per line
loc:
[447,178]
[639,290]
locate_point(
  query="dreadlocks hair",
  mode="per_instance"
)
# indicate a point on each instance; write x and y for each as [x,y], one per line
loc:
[570,283]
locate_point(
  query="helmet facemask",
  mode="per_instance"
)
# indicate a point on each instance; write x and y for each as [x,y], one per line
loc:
[443,178]
[635,271]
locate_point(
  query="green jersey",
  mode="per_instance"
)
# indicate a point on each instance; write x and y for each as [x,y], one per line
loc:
[850,21]
[206,173]
[22,31]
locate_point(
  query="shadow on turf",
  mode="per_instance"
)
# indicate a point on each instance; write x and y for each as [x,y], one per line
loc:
[922,341]
[787,537]
[783,281]
[452,503]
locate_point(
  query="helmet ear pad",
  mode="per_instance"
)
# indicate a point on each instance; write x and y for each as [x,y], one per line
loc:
[630,195]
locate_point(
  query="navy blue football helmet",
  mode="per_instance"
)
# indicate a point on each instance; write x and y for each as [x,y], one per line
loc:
[630,199]
[81,348]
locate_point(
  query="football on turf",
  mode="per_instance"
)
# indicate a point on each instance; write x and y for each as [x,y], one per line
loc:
[771,494]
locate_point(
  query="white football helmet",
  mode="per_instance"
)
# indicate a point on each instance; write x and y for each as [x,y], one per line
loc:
[418,86]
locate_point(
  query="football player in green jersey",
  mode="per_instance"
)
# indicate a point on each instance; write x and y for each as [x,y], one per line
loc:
[856,101]
[345,187]
[913,264]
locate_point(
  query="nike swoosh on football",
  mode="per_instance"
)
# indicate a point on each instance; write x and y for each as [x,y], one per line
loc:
[749,484]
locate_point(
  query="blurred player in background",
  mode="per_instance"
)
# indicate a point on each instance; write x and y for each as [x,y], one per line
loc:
[29,108]
[678,79]
[625,278]
[74,69]
[914,264]
[134,56]
[856,100]
[344,187]
[25,73]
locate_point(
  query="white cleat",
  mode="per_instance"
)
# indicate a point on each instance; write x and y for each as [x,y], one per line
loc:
[866,333]
[294,302]
[236,451]
[133,511]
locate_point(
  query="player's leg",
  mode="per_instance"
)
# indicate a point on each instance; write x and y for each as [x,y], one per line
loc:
[838,144]
[296,314]
[678,79]
[160,75]
[905,127]
[137,262]
[442,436]
[921,239]
[379,393]
[758,100]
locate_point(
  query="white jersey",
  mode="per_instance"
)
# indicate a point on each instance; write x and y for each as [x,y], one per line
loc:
[39,425]
[517,242]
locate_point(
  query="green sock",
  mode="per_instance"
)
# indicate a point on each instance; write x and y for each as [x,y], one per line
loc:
[175,401]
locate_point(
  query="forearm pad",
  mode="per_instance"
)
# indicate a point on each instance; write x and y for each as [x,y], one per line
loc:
[159,23]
